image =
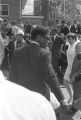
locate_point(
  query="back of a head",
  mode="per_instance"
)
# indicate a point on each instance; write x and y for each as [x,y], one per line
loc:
[27,28]
[39,30]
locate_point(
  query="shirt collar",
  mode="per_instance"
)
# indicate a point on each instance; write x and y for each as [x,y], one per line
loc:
[35,42]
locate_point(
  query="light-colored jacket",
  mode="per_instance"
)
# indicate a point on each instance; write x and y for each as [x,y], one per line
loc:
[19,103]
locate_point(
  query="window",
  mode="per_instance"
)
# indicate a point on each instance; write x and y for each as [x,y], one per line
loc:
[31,7]
[4,9]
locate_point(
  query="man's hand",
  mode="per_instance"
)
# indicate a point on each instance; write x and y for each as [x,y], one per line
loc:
[72,79]
[65,102]
[65,105]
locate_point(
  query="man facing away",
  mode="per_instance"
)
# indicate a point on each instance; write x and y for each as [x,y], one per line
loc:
[31,66]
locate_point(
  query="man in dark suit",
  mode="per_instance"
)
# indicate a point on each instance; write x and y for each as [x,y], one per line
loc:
[64,28]
[31,66]
[74,27]
[57,47]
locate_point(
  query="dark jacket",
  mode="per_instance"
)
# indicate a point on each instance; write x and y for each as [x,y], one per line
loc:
[65,30]
[31,67]
[76,67]
[73,29]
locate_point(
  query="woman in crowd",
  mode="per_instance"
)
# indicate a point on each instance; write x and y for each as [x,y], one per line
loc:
[19,42]
[70,58]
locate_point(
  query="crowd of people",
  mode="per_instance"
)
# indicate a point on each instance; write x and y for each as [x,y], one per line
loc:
[36,60]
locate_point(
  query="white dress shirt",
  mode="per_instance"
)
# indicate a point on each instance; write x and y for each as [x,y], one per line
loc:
[70,58]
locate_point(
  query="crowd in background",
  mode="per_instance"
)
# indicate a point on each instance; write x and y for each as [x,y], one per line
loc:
[18,34]
[13,31]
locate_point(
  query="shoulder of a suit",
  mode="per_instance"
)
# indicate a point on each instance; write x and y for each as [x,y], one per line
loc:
[20,50]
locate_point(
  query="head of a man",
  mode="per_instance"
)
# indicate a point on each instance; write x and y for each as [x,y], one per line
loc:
[78,48]
[53,32]
[63,23]
[71,38]
[78,51]
[41,35]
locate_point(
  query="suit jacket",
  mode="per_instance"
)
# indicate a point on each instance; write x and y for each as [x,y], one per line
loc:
[76,67]
[31,67]
[73,29]
[56,48]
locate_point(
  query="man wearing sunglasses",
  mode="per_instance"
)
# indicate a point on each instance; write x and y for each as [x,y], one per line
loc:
[31,66]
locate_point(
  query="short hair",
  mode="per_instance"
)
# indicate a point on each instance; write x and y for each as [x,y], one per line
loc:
[39,30]
[53,31]
[27,28]
[71,35]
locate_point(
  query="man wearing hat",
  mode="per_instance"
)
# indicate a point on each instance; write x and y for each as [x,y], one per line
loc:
[71,53]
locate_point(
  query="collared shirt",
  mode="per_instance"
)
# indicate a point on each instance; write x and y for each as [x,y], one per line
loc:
[70,58]
[35,42]
[17,102]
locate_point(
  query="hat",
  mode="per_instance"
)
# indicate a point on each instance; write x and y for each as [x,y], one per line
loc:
[20,32]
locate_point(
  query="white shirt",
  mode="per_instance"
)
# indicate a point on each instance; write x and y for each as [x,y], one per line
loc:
[70,58]
[19,103]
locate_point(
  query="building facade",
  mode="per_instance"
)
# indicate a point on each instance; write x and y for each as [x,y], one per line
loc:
[12,10]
